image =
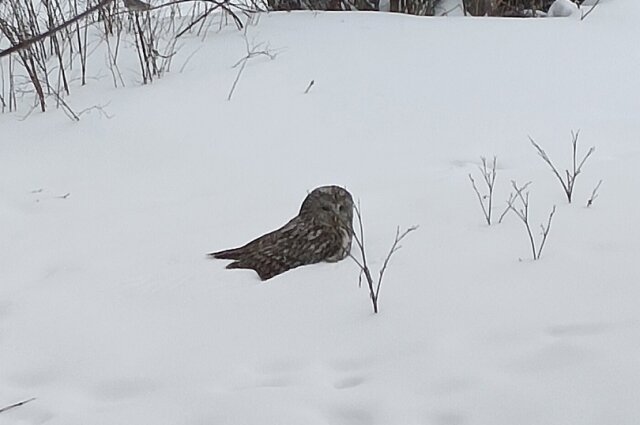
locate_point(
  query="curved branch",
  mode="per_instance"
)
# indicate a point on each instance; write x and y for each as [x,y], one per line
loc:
[26,43]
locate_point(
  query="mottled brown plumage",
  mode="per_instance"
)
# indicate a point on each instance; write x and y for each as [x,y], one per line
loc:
[322,231]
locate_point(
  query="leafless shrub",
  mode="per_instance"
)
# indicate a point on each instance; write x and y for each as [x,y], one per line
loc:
[5,92]
[594,194]
[144,43]
[81,38]
[374,285]
[48,38]
[253,51]
[113,48]
[508,8]
[518,202]
[414,7]
[21,22]
[489,178]
[31,38]
[16,24]
[576,168]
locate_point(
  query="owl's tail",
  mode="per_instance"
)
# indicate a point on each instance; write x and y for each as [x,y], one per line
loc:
[266,266]
[265,271]
[227,254]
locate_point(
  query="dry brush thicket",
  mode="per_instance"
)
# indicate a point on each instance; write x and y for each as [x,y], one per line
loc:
[507,8]
[45,44]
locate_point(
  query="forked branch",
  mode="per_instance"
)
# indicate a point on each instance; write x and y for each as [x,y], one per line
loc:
[594,194]
[570,175]
[489,177]
[358,236]
[518,202]
[253,51]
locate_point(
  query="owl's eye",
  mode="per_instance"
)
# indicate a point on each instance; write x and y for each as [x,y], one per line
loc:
[340,207]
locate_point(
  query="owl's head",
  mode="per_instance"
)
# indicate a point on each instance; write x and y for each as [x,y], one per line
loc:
[330,202]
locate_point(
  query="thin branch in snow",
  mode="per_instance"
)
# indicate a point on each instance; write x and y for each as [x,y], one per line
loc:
[13,406]
[584,15]
[365,271]
[99,108]
[252,52]
[594,194]
[512,199]
[519,203]
[311,83]
[489,177]
[545,231]
[570,175]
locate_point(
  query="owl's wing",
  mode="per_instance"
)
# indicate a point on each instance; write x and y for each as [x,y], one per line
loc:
[299,242]
[256,244]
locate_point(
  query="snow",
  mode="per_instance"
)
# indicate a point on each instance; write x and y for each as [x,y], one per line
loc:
[110,313]
[563,8]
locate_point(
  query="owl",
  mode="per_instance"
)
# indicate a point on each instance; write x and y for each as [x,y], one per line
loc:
[322,231]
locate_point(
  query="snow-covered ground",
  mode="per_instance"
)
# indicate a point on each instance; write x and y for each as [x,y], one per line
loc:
[110,313]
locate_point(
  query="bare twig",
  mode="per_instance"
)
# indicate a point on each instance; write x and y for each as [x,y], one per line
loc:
[458,6]
[594,194]
[252,52]
[311,83]
[99,108]
[395,247]
[489,177]
[522,212]
[13,406]
[65,107]
[28,114]
[584,15]
[570,175]
[511,200]
[545,231]
[374,286]
[196,21]
[184,65]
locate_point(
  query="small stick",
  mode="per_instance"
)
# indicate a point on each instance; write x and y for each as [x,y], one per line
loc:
[589,11]
[13,406]
[309,86]
[594,194]
[489,177]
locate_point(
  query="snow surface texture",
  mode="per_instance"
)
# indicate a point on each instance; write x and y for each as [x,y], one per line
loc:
[110,314]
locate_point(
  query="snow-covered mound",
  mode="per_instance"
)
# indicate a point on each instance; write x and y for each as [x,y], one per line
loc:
[111,314]
[563,8]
